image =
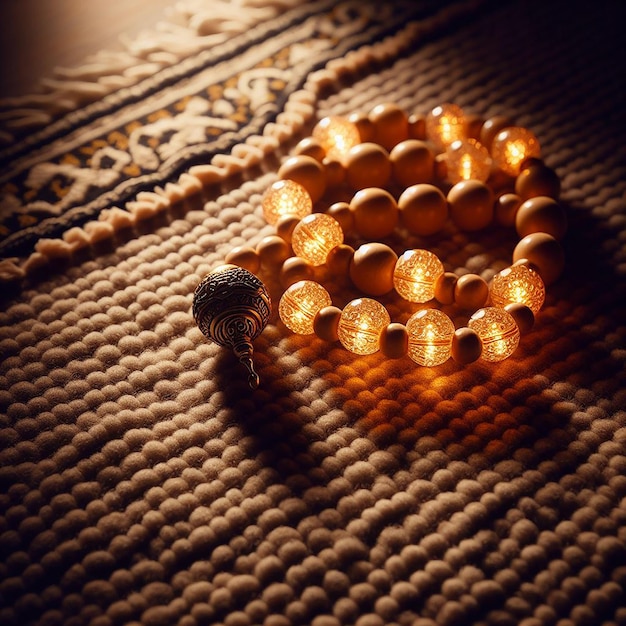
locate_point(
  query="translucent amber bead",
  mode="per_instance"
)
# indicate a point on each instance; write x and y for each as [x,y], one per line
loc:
[430,337]
[300,304]
[315,236]
[498,332]
[518,283]
[368,165]
[445,124]
[361,324]
[283,198]
[306,171]
[511,147]
[336,135]
[467,159]
[544,252]
[416,274]
[375,212]
[423,209]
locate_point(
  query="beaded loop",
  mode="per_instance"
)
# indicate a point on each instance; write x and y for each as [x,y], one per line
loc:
[451,166]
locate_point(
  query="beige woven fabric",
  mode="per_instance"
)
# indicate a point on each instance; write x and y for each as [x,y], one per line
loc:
[143,482]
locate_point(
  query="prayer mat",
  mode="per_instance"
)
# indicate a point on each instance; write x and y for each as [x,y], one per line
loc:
[142,481]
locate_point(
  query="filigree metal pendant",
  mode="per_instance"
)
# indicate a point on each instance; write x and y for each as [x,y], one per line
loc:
[232,307]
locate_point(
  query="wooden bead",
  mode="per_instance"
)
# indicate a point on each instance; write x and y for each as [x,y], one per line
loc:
[364,125]
[335,172]
[523,316]
[294,269]
[473,125]
[544,252]
[285,226]
[273,250]
[394,341]
[466,346]
[471,205]
[491,128]
[372,267]
[541,215]
[339,259]
[506,209]
[342,213]
[471,292]
[326,323]
[391,124]
[244,256]
[309,146]
[423,209]
[367,165]
[441,166]
[537,179]
[444,288]
[375,212]
[417,126]
[306,171]
[412,162]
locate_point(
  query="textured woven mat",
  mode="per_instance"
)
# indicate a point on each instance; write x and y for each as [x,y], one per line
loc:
[142,481]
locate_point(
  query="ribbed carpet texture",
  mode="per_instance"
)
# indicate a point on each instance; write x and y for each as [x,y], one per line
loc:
[142,481]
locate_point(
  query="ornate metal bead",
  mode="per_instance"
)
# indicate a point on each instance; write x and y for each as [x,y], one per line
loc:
[232,307]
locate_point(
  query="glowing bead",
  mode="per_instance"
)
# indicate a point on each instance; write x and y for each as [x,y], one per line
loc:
[498,332]
[430,337]
[315,236]
[336,135]
[423,209]
[375,212]
[518,283]
[416,274]
[286,197]
[467,159]
[511,147]
[445,124]
[361,324]
[544,252]
[300,304]
[306,171]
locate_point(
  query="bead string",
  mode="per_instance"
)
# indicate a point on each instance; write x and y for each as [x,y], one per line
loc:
[450,166]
